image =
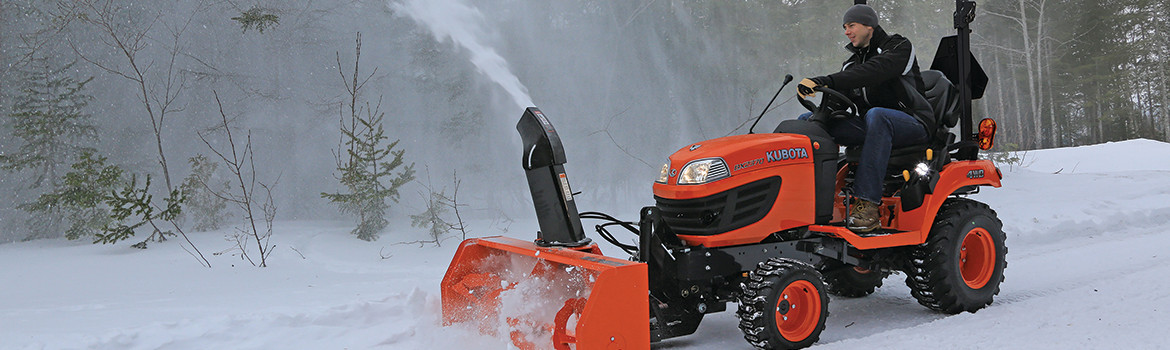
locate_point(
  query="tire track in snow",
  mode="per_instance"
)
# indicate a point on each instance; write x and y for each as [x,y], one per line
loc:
[1036,269]
[399,321]
[1027,279]
[1083,262]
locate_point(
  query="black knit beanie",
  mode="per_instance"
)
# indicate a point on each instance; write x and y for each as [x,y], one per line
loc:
[862,14]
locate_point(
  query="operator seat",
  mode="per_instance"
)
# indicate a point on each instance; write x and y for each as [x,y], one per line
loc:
[944,99]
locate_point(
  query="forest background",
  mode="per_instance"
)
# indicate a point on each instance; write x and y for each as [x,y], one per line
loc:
[625,82]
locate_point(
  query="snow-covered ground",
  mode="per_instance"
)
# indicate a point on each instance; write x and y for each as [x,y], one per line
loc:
[1088,228]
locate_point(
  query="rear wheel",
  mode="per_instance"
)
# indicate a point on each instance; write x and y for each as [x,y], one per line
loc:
[850,281]
[784,305]
[960,266]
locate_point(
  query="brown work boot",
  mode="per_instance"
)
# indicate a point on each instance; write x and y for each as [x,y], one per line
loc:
[863,217]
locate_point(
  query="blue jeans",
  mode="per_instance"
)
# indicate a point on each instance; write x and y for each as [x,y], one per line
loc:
[881,130]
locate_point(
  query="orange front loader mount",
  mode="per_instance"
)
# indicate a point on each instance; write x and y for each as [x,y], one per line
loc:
[541,295]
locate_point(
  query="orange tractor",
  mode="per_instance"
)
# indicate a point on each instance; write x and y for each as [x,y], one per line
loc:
[751,219]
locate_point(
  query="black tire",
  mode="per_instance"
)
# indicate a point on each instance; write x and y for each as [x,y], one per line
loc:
[941,278]
[846,281]
[773,311]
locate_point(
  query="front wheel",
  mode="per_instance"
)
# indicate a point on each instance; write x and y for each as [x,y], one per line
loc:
[784,305]
[960,266]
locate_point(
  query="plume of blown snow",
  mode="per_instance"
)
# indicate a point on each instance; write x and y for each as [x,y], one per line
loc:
[464,25]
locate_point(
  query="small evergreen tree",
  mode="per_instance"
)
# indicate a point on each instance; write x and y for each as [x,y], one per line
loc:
[432,218]
[204,205]
[48,118]
[135,205]
[80,200]
[258,18]
[367,175]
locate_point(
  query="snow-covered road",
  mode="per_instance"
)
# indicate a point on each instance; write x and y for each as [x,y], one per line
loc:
[1088,229]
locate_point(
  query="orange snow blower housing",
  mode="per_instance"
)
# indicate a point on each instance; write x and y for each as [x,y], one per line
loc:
[559,290]
[562,296]
[752,219]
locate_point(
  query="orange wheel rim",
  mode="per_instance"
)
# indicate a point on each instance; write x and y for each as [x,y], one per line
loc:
[977,258]
[798,310]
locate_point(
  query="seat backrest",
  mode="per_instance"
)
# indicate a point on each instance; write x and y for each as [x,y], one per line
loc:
[943,97]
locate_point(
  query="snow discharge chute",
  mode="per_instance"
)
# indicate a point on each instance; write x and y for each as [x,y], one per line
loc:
[557,292]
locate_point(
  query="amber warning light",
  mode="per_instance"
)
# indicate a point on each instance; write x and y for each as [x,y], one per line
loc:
[986,137]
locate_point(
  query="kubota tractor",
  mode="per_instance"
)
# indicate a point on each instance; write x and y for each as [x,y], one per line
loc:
[751,219]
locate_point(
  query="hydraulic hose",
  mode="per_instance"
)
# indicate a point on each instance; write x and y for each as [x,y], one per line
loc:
[609,237]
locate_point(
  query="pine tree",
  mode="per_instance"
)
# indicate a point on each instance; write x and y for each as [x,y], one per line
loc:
[368,176]
[432,218]
[366,173]
[48,117]
[257,17]
[438,205]
[49,120]
[80,200]
[204,205]
[132,207]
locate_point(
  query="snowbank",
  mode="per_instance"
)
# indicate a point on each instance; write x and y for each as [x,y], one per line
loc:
[1111,157]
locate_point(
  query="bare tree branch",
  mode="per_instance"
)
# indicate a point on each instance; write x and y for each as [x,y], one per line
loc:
[614,141]
[129,36]
[245,198]
[745,122]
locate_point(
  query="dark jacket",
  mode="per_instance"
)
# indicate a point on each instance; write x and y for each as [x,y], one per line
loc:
[884,74]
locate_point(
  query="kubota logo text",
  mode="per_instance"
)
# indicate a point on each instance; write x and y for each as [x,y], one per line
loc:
[787,154]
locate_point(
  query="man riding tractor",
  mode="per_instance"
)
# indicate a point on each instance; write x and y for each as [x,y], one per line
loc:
[883,80]
[760,219]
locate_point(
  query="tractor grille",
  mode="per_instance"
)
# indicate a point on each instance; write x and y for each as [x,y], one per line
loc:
[722,212]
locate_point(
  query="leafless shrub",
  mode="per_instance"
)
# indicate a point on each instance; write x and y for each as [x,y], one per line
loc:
[241,163]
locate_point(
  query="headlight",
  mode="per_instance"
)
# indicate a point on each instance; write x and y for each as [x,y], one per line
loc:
[703,171]
[665,173]
[922,169]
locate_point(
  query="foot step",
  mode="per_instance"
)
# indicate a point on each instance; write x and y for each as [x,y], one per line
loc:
[841,226]
[880,232]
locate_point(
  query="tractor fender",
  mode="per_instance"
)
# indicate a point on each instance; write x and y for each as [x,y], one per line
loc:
[954,176]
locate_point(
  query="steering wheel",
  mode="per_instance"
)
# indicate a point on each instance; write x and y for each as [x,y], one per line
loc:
[834,106]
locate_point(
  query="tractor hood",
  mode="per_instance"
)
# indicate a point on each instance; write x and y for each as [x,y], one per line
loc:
[745,152]
[741,154]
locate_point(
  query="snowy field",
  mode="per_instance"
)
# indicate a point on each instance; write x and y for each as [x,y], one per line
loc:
[1087,227]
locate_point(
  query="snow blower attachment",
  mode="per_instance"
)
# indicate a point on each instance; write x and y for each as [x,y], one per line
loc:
[557,291]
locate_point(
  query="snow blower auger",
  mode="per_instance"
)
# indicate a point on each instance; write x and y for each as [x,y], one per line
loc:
[752,219]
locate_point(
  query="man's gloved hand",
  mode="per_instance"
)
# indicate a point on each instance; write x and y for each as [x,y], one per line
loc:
[805,89]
